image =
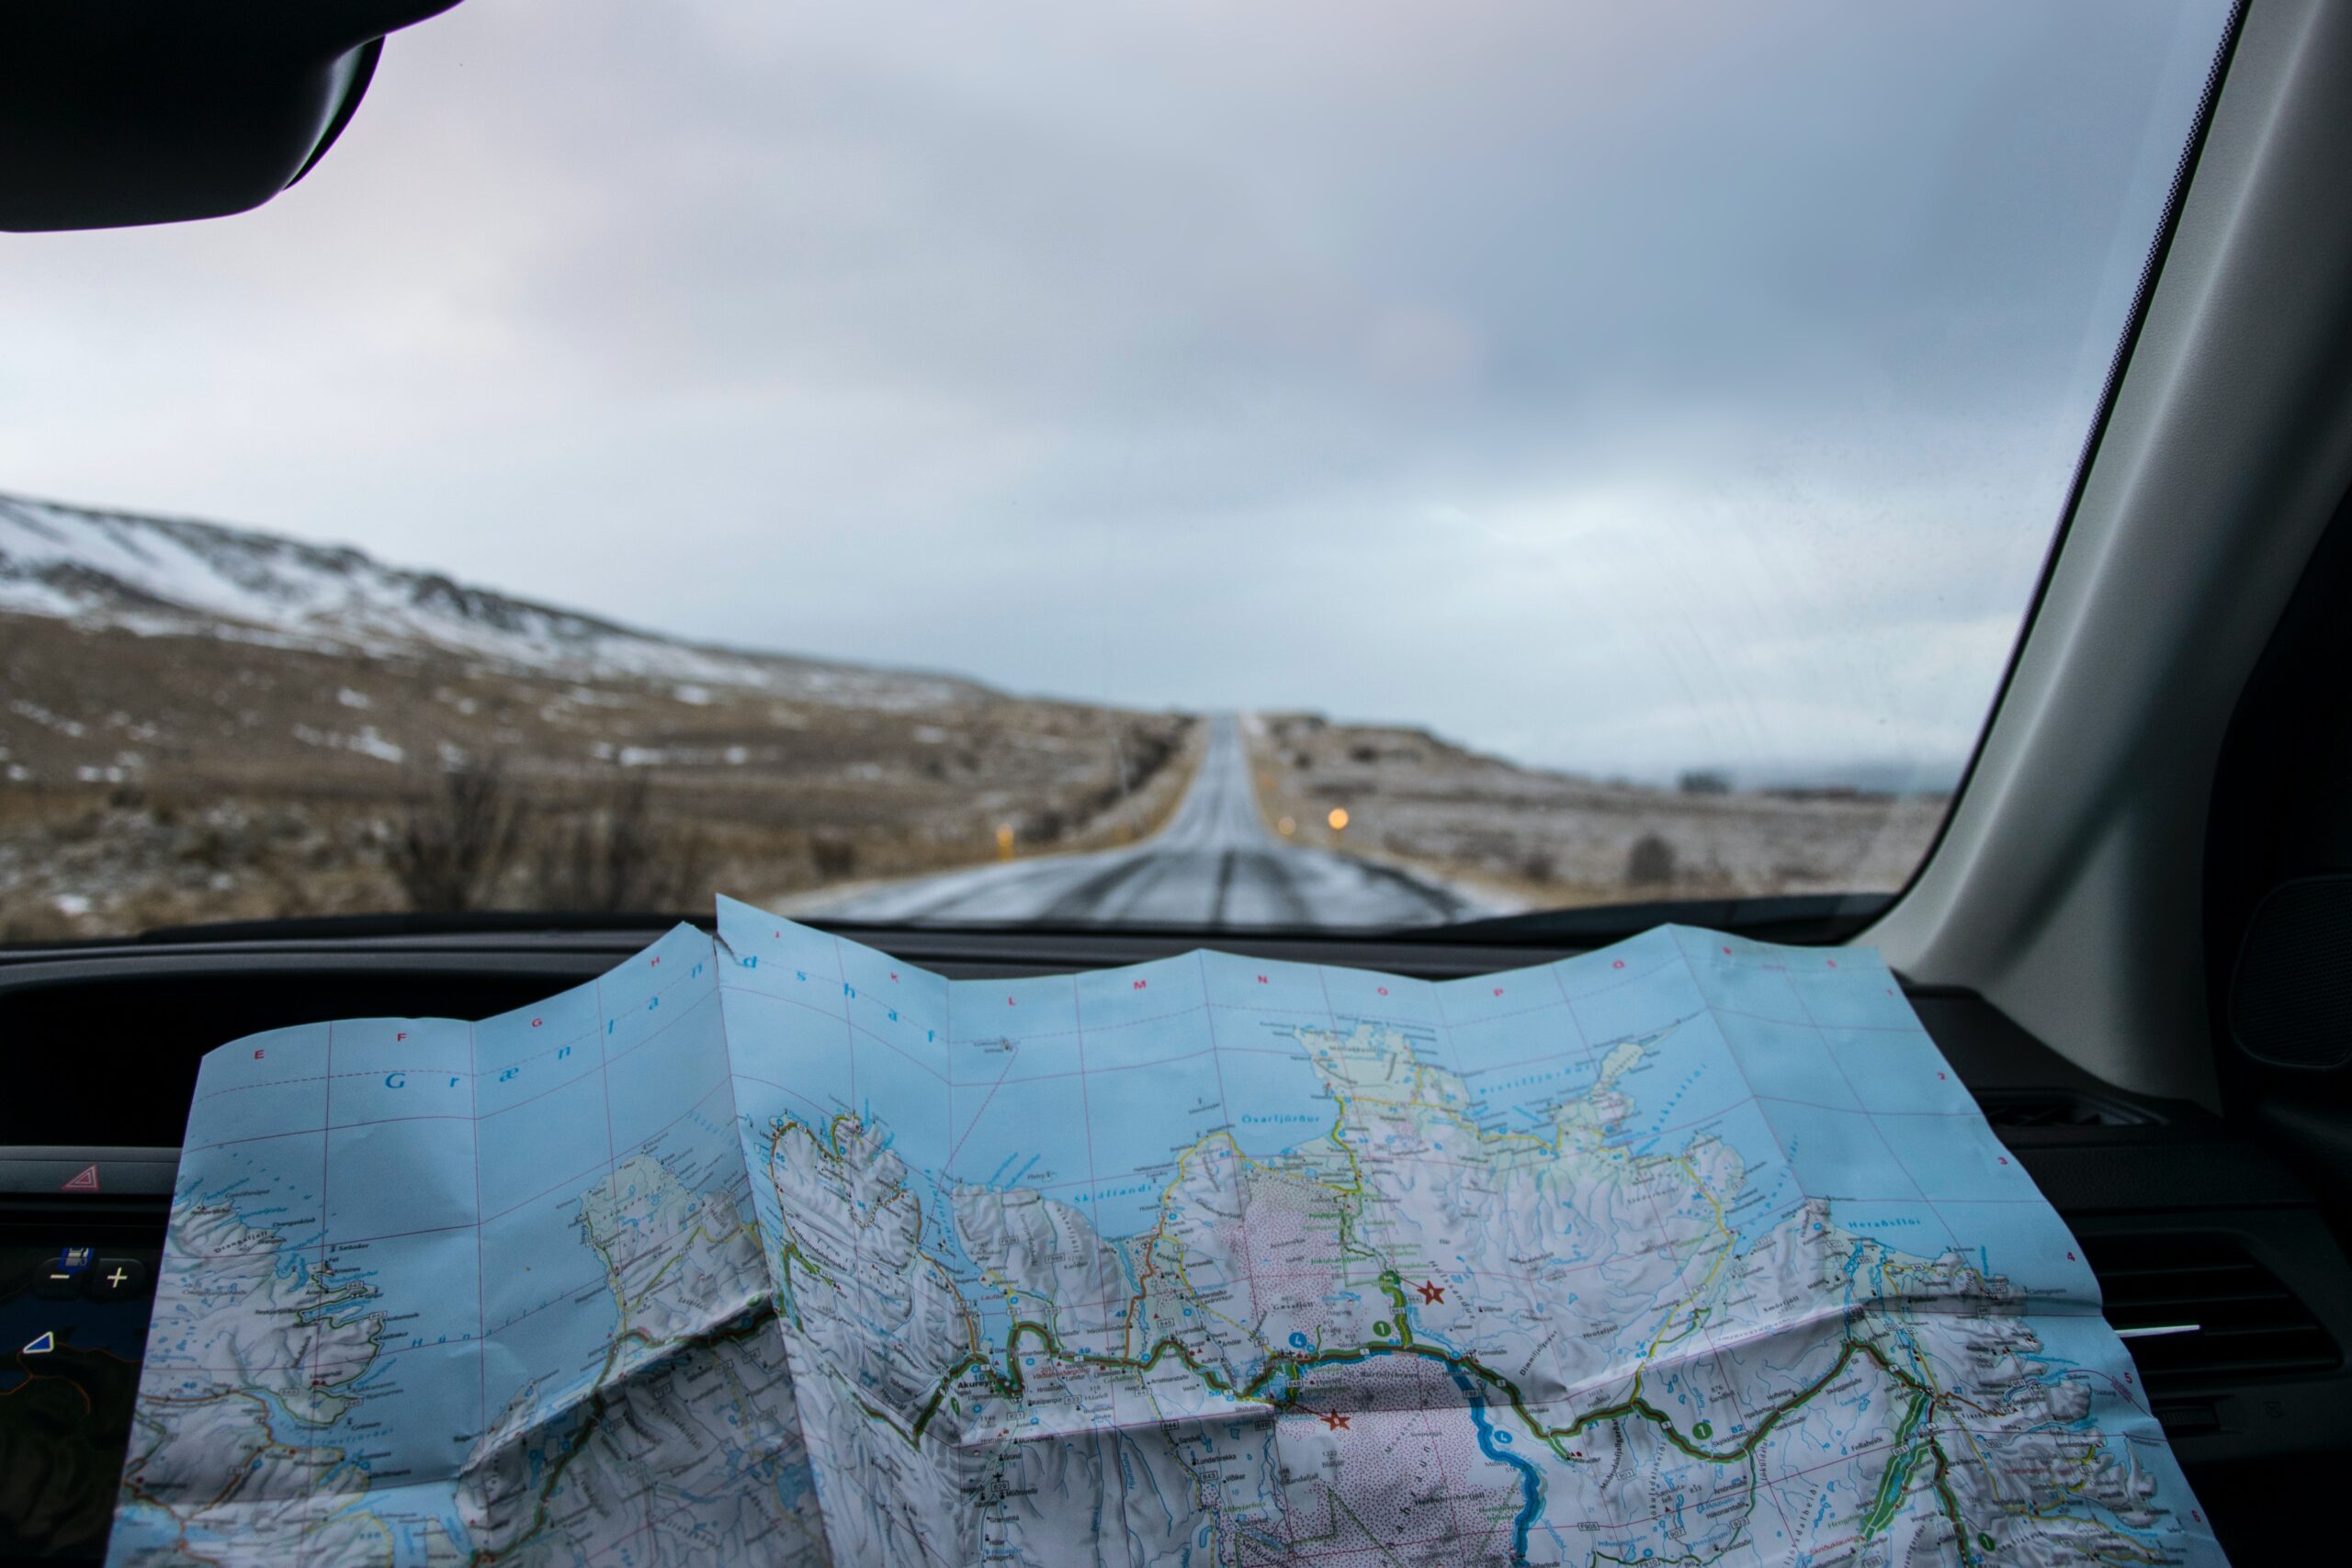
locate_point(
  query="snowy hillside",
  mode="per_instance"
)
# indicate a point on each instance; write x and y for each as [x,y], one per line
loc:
[157,575]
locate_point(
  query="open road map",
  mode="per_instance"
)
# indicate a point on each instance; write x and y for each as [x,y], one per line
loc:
[773,1248]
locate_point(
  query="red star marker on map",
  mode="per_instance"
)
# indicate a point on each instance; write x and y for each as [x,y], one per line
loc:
[1431,1292]
[1334,1420]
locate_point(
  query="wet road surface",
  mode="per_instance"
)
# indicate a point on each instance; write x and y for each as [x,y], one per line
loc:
[1215,864]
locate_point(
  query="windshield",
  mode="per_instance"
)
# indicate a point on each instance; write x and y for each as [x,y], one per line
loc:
[1201,465]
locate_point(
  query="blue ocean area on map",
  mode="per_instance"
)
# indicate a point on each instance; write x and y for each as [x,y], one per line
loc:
[769,1244]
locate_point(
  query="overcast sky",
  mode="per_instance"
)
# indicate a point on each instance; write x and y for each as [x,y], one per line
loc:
[1617,388]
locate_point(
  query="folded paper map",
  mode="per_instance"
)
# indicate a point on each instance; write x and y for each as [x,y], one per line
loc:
[769,1247]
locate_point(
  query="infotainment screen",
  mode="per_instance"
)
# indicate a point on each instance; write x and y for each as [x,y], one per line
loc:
[74,1297]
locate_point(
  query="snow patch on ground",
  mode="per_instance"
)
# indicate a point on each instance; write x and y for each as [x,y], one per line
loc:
[367,742]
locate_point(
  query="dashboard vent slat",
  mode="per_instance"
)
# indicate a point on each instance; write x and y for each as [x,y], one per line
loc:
[2247,1324]
[2061,1108]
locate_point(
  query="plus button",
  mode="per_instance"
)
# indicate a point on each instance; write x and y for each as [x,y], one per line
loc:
[115,1276]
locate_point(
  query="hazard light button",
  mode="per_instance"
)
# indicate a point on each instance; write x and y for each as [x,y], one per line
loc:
[88,1172]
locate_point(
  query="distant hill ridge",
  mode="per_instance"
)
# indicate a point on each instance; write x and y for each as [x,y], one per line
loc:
[176,576]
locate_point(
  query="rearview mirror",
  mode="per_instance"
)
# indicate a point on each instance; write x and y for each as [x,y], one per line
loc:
[119,112]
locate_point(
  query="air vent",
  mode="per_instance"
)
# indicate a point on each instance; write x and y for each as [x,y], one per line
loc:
[2060,1108]
[2198,1311]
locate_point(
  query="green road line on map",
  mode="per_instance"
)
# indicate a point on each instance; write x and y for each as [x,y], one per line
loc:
[1897,1479]
[1279,1379]
[1944,1496]
[1394,1286]
[1294,1366]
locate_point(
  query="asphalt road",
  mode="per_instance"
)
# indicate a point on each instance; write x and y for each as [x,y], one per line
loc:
[1215,864]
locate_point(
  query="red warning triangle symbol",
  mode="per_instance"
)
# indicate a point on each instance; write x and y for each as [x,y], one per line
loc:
[85,1182]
